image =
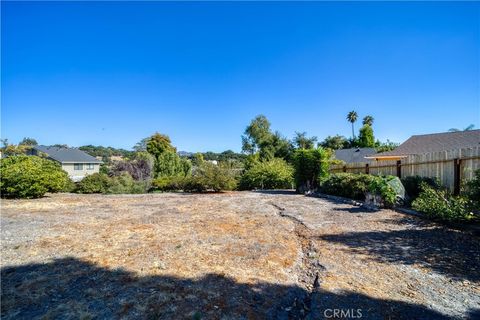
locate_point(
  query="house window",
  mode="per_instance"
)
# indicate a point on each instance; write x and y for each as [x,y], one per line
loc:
[78,166]
[89,166]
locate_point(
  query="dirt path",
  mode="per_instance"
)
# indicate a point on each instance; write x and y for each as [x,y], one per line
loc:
[237,255]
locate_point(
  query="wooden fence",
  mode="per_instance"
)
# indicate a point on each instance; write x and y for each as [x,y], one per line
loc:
[450,167]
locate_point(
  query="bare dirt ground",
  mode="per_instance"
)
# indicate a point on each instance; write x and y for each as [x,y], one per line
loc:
[239,255]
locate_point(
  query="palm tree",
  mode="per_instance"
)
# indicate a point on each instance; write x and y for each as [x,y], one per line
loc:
[368,120]
[352,117]
[470,127]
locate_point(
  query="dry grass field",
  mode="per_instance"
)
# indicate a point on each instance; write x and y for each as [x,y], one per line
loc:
[239,255]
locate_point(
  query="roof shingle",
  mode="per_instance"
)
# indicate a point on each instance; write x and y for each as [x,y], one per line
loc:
[65,155]
[436,142]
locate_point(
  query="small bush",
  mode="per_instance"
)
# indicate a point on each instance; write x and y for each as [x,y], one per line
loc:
[94,183]
[31,177]
[273,174]
[442,205]
[412,185]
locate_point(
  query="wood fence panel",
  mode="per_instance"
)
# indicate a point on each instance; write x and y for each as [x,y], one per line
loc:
[440,165]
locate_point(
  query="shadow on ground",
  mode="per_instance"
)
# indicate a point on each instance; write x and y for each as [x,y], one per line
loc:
[291,192]
[72,289]
[446,251]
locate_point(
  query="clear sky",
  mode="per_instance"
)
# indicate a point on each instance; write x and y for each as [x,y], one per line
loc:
[112,73]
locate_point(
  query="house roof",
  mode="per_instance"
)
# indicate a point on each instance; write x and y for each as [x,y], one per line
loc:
[434,142]
[67,155]
[354,154]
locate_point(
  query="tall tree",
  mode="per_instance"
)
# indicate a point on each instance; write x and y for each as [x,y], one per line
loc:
[28,142]
[257,133]
[301,141]
[352,118]
[368,120]
[258,138]
[335,142]
[365,137]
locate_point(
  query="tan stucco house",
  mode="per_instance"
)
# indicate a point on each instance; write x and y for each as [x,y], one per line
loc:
[77,163]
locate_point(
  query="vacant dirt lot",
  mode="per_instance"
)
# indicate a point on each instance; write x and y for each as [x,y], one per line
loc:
[240,255]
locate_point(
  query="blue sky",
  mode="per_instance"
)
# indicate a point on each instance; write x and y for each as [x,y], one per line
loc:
[111,73]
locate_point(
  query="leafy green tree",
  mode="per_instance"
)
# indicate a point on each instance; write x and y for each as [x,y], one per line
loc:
[273,174]
[368,120]
[30,177]
[158,144]
[366,138]
[170,164]
[352,118]
[301,141]
[385,146]
[141,145]
[258,138]
[311,166]
[28,142]
[12,150]
[197,159]
[335,142]
[256,134]
[167,161]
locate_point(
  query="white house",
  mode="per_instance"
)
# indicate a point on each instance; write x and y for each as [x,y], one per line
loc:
[75,162]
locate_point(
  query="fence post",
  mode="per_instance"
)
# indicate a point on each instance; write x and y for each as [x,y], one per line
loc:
[344,168]
[456,176]
[367,168]
[399,169]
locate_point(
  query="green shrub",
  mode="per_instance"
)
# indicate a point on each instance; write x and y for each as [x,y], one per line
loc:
[442,205]
[206,177]
[273,174]
[209,176]
[101,183]
[311,166]
[383,186]
[472,190]
[30,177]
[412,185]
[348,185]
[356,185]
[168,183]
[94,183]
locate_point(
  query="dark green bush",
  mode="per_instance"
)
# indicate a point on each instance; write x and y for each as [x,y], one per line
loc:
[442,205]
[412,185]
[311,166]
[472,191]
[31,177]
[273,174]
[94,183]
[383,186]
[206,177]
[211,177]
[356,185]
[102,183]
[174,183]
[348,185]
